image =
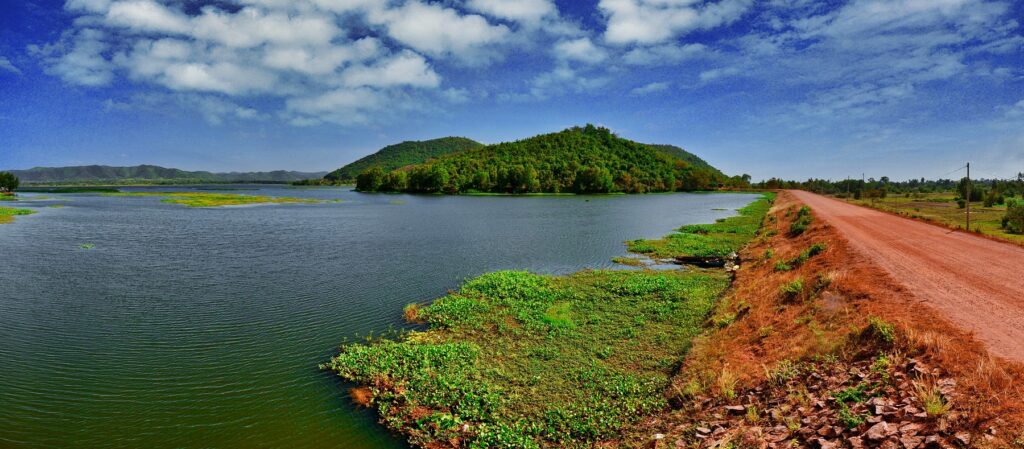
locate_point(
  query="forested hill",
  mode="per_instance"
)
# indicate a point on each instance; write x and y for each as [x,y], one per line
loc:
[687,156]
[581,160]
[400,155]
[98,174]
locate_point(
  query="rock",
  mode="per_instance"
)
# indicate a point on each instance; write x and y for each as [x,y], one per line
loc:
[911,442]
[826,444]
[703,430]
[911,429]
[736,409]
[856,443]
[947,387]
[964,438]
[877,432]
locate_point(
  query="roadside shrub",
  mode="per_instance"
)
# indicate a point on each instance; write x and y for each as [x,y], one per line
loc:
[801,222]
[1013,222]
[961,203]
[881,329]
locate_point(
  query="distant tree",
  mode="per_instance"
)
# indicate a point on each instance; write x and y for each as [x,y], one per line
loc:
[370,180]
[8,182]
[1014,219]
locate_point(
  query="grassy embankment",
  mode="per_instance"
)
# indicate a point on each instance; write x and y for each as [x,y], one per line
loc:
[207,199]
[815,347]
[520,360]
[942,209]
[7,214]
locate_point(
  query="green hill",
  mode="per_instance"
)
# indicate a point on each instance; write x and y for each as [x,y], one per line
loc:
[581,160]
[400,155]
[148,174]
[687,156]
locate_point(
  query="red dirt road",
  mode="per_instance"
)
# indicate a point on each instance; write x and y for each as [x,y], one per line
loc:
[976,283]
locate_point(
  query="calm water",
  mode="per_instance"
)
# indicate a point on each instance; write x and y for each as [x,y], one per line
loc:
[202,328]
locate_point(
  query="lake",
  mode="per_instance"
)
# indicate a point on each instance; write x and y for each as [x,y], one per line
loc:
[203,328]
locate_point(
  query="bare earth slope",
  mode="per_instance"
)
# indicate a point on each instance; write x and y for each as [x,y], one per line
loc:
[975,282]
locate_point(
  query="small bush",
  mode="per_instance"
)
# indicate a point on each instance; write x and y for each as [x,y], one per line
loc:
[782,266]
[883,330]
[792,290]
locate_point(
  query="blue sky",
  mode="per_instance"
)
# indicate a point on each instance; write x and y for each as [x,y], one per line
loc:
[798,88]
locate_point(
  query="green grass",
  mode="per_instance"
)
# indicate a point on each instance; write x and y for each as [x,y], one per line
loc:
[7,214]
[709,240]
[536,361]
[519,360]
[207,199]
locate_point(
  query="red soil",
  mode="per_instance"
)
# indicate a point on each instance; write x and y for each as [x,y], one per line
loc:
[975,283]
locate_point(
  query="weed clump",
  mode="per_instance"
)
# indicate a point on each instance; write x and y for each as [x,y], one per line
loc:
[885,331]
[802,221]
[792,290]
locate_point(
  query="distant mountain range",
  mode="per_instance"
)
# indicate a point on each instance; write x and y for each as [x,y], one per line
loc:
[150,174]
[402,154]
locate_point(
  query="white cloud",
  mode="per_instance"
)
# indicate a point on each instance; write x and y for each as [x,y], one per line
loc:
[343,106]
[320,60]
[404,69]
[581,50]
[656,21]
[651,88]
[78,58]
[527,12]
[147,16]
[715,74]
[5,64]
[439,31]
[1016,111]
[667,54]
[252,27]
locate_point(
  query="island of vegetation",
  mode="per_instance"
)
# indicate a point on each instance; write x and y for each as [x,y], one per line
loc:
[210,199]
[400,155]
[7,214]
[520,360]
[577,160]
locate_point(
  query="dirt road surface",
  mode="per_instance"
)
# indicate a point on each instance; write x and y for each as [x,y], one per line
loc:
[976,283]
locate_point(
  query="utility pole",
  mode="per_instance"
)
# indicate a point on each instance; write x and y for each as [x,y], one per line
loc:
[968,197]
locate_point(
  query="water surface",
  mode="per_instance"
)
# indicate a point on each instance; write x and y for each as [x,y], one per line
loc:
[202,328]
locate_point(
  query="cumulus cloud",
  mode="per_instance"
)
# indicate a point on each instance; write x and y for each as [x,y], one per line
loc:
[439,31]
[78,58]
[581,50]
[528,12]
[656,21]
[338,61]
[404,69]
